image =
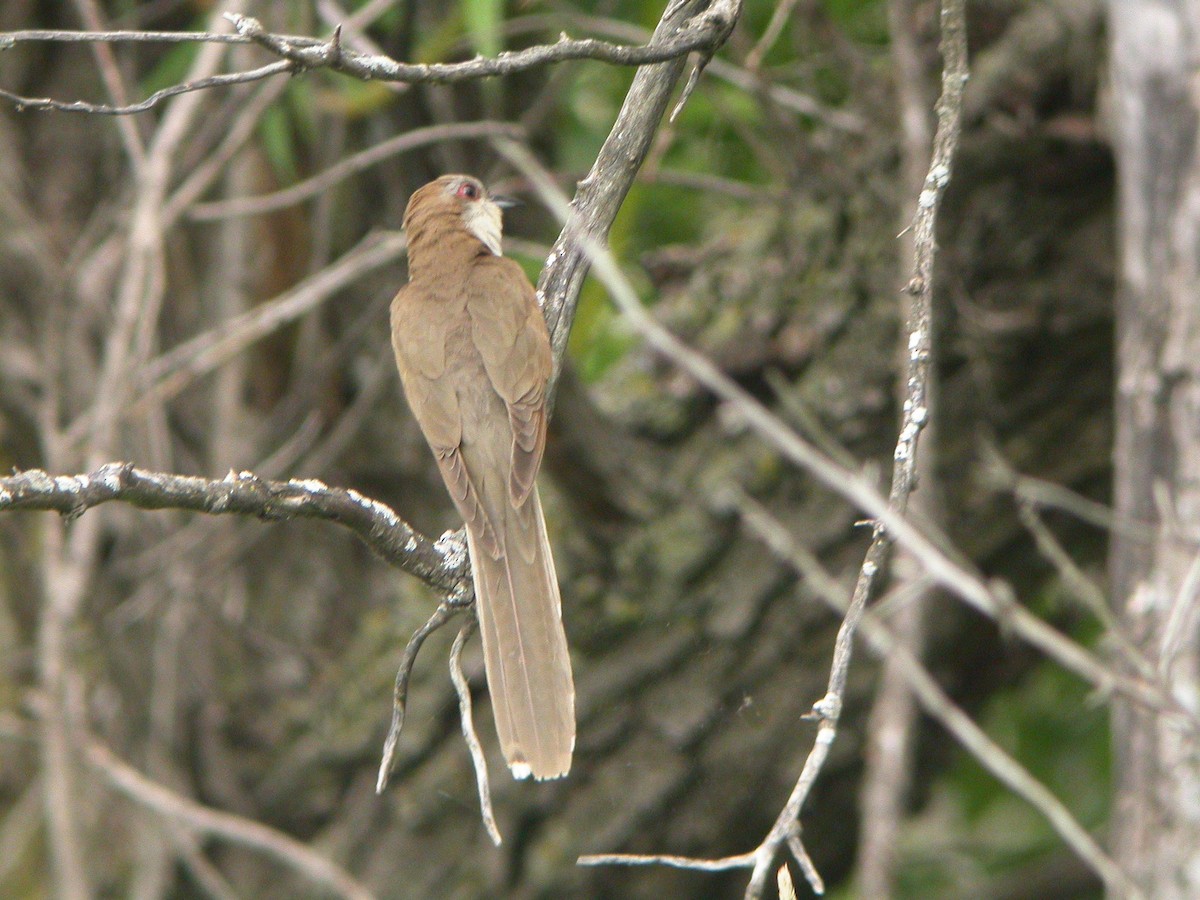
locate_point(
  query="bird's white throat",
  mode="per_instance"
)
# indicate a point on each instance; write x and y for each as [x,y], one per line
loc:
[483,220]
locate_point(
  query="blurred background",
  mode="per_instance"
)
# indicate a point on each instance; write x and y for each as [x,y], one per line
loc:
[162,302]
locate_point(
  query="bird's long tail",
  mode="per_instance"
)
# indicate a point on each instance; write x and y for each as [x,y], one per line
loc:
[524,644]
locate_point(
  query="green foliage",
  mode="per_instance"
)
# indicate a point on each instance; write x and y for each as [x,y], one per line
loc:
[171,68]
[483,19]
[975,828]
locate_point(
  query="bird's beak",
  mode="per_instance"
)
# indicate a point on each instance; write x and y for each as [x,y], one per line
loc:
[506,202]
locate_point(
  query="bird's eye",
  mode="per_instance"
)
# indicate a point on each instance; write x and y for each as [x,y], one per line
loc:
[469,191]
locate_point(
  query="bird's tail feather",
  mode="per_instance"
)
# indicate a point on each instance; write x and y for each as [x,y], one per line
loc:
[524,644]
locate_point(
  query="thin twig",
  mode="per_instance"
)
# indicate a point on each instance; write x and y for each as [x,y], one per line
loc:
[783,12]
[235,829]
[602,191]
[9,39]
[724,864]
[468,729]
[444,612]
[804,861]
[24,104]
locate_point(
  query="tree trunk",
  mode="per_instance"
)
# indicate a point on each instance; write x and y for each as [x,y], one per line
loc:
[1155,46]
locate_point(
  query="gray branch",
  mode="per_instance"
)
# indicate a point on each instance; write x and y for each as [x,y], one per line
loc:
[441,564]
[688,32]
[704,33]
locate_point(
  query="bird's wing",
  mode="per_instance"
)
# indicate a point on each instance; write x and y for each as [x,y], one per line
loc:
[420,345]
[510,334]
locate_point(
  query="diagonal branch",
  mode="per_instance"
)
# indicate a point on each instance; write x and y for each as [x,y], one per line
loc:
[198,818]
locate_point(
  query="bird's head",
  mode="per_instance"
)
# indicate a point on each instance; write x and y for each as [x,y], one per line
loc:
[457,201]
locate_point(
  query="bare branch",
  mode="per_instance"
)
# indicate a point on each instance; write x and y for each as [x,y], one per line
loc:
[237,830]
[440,617]
[169,373]
[938,704]
[705,32]
[468,729]
[925,544]
[24,104]
[242,493]
[10,39]
[724,864]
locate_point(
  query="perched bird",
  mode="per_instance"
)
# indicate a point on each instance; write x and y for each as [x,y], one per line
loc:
[474,357]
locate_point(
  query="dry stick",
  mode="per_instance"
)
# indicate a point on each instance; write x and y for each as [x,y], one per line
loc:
[235,829]
[440,617]
[936,702]
[707,31]
[600,194]
[468,728]
[24,104]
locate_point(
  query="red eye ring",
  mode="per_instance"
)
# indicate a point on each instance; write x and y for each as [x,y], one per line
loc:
[468,191]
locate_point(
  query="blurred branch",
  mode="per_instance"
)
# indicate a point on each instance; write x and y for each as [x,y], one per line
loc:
[888,754]
[351,165]
[705,33]
[24,104]
[938,704]
[242,493]
[731,73]
[169,373]
[235,829]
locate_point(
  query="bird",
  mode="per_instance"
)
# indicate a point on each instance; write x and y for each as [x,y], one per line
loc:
[474,357]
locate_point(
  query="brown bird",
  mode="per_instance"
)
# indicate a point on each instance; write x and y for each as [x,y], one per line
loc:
[474,356]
